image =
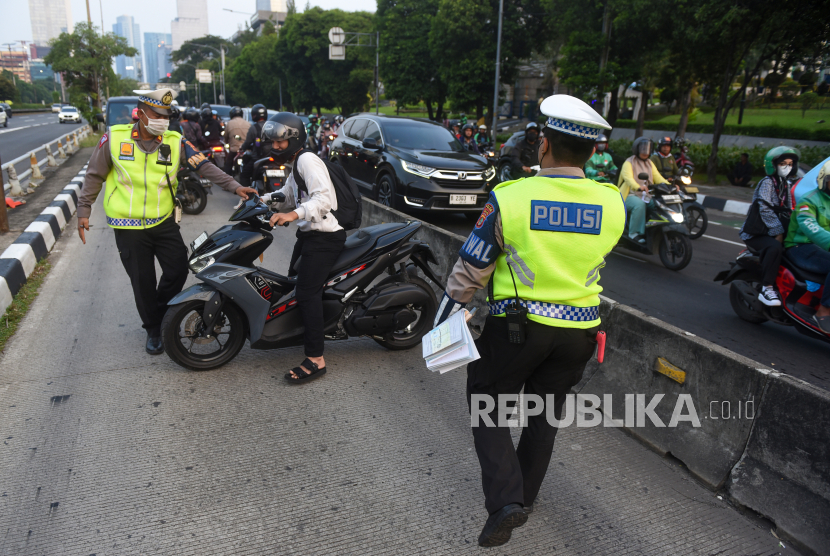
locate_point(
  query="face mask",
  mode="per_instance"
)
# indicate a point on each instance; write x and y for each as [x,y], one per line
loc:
[531,137]
[784,171]
[155,126]
[600,147]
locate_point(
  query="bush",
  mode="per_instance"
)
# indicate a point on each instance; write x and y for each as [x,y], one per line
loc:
[748,130]
[727,156]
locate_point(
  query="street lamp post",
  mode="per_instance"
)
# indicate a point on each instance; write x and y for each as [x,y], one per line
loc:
[221,52]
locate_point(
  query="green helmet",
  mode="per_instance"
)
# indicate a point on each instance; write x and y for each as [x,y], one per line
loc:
[772,157]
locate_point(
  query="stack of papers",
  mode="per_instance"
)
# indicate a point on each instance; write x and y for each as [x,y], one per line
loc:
[450,345]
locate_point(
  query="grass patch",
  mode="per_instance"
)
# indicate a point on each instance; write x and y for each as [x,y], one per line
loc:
[21,302]
[90,140]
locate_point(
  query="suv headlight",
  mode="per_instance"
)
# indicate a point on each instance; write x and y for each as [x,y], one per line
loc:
[418,169]
[489,173]
[198,264]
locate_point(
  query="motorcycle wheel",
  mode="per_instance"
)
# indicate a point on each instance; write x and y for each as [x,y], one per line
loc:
[410,336]
[696,221]
[197,199]
[675,251]
[505,172]
[742,308]
[181,326]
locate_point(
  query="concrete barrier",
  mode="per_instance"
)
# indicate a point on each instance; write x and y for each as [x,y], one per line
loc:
[763,439]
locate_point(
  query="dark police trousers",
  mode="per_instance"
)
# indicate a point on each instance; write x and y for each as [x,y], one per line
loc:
[317,252]
[138,248]
[551,361]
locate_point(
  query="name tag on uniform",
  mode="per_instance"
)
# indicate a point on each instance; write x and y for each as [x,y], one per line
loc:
[554,216]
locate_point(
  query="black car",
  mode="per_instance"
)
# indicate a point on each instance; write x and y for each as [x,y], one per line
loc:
[417,164]
[7,109]
[505,165]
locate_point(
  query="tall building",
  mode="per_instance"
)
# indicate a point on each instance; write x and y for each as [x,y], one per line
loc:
[17,62]
[128,66]
[157,48]
[49,19]
[274,11]
[271,5]
[191,23]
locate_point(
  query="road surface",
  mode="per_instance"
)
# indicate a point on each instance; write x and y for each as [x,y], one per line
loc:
[27,132]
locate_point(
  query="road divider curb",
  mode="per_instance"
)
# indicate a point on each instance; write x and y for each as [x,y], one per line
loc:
[18,261]
[764,437]
[725,205]
[82,132]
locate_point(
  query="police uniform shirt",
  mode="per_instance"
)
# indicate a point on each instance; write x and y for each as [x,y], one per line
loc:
[477,259]
[100,165]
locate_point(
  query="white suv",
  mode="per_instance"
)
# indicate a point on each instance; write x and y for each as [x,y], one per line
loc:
[69,114]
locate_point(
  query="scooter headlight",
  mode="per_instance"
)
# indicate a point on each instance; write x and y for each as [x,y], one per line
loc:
[677,217]
[201,262]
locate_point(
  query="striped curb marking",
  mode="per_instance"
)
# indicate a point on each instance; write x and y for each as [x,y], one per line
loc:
[725,205]
[18,261]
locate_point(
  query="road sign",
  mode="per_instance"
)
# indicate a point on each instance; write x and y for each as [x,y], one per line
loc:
[337,36]
[182,85]
[203,76]
[337,52]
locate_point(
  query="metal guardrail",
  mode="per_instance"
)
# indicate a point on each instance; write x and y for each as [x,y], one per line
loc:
[82,133]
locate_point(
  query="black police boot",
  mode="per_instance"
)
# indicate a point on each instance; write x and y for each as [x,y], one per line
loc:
[500,525]
[154,345]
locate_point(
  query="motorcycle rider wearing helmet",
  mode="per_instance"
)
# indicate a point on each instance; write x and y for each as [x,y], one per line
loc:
[600,167]
[211,128]
[467,139]
[175,125]
[481,137]
[636,164]
[664,160]
[320,238]
[456,130]
[524,154]
[462,119]
[253,142]
[135,162]
[192,130]
[236,127]
[772,204]
[808,240]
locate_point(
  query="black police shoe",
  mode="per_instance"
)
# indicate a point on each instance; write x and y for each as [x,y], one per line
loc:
[500,525]
[154,345]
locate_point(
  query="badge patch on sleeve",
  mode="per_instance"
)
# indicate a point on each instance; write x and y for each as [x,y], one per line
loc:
[102,141]
[554,216]
[196,160]
[488,210]
[127,151]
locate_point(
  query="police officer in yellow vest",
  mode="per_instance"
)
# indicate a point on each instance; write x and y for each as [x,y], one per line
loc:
[135,162]
[540,244]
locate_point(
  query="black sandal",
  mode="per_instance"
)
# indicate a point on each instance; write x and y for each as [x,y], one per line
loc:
[302,375]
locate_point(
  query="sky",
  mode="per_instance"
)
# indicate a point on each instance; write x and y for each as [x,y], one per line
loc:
[154,16]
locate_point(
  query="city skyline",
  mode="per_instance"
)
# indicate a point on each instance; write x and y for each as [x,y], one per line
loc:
[125,66]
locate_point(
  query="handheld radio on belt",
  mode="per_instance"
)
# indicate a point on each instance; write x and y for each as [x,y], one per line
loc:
[516,316]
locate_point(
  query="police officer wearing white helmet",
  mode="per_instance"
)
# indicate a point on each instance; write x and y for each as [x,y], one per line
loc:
[538,247]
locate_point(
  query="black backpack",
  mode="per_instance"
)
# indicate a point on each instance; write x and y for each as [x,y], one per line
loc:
[349,211]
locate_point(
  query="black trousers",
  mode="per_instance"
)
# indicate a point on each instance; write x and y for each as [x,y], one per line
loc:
[138,248]
[551,361]
[317,253]
[229,157]
[771,250]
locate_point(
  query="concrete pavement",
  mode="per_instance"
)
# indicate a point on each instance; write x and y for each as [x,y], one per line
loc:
[107,450]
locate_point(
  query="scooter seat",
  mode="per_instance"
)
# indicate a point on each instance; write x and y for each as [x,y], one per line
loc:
[802,274]
[360,243]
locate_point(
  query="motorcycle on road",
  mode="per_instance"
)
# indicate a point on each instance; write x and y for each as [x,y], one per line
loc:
[666,230]
[694,213]
[800,293]
[207,324]
[192,191]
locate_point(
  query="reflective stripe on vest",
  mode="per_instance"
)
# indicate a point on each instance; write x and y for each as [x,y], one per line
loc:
[557,231]
[136,194]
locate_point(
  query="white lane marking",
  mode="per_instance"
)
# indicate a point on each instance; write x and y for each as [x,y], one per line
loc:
[627,257]
[722,224]
[726,241]
[16,129]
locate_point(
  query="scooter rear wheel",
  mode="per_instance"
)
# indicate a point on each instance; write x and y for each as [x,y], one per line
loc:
[411,336]
[675,251]
[743,309]
[196,197]
[182,327]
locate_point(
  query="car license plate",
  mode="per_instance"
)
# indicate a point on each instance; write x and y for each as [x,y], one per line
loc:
[671,198]
[275,173]
[199,241]
[462,199]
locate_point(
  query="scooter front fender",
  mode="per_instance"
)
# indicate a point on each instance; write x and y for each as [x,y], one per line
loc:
[201,292]
[233,283]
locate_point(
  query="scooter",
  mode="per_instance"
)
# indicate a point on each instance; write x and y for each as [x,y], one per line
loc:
[682,157]
[207,324]
[694,213]
[325,144]
[666,230]
[800,293]
[271,175]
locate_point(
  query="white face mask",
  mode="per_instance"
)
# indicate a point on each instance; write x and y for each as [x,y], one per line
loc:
[784,171]
[156,126]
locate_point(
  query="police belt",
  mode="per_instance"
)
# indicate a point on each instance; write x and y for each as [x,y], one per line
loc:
[549,310]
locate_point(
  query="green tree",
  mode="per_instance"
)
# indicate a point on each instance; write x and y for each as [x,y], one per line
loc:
[7,89]
[86,57]
[121,86]
[255,73]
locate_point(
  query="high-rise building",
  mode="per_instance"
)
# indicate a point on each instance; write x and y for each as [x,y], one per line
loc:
[49,19]
[17,62]
[128,66]
[191,23]
[271,5]
[157,48]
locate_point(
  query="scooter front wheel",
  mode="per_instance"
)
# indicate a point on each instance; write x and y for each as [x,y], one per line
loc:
[186,342]
[696,221]
[675,251]
[196,199]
